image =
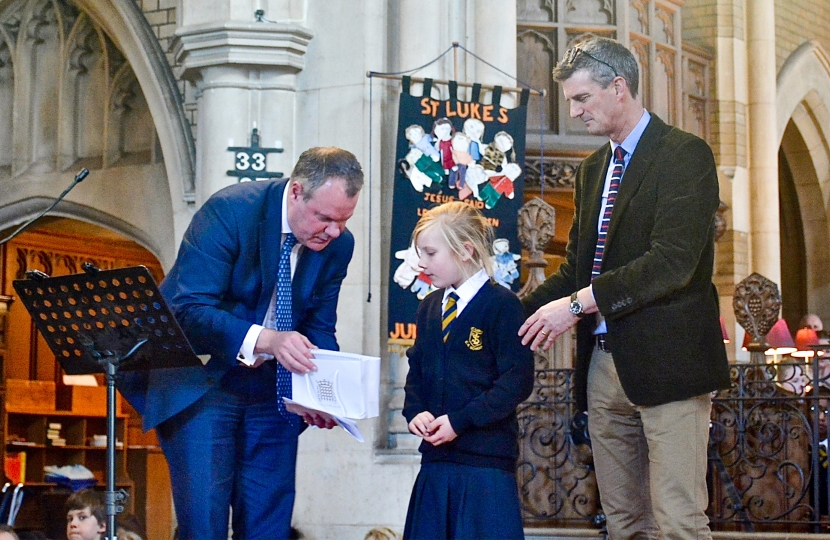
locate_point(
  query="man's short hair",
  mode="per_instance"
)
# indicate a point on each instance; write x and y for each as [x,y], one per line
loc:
[605,59]
[87,498]
[317,165]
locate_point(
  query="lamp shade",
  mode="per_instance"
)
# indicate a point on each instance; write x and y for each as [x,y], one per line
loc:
[745,344]
[780,340]
[804,338]
[723,331]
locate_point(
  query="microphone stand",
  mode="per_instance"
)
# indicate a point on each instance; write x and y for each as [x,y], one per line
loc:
[78,179]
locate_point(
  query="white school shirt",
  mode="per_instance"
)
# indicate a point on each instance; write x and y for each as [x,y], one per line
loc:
[466,291]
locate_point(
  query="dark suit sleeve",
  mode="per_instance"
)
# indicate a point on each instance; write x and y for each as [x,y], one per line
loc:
[200,281]
[685,203]
[515,373]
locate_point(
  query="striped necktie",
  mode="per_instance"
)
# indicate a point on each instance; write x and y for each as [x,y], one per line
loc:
[450,310]
[284,316]
[613,188]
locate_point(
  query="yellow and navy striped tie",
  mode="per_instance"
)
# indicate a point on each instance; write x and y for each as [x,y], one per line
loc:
[449,314]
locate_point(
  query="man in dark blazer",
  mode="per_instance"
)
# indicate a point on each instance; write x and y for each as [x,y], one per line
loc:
[649,348]
[225,440]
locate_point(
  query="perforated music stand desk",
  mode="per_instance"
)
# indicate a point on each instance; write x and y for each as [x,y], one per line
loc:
[101,321]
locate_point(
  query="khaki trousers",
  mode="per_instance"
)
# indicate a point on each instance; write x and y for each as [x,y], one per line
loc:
[650,461]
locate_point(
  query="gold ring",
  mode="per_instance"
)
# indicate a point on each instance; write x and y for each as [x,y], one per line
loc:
[544,333]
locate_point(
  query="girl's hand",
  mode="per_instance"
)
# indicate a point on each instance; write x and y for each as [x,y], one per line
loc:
[420,424]
[442,431]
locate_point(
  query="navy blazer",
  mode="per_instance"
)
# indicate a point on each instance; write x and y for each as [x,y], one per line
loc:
[222,283]
[655,289]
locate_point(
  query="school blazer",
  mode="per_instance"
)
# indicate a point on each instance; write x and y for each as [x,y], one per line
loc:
[655,289]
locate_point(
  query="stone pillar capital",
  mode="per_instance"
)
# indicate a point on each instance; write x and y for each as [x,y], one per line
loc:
[262,46]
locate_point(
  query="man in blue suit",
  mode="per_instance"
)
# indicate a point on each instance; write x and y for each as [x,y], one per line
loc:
[225,440]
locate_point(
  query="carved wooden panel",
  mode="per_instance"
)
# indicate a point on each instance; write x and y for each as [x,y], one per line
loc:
[55,254]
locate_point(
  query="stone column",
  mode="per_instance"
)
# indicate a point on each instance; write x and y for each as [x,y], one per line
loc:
[763,143]
[245,75]
[495,41]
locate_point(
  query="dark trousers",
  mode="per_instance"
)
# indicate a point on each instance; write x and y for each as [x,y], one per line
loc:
[233,448]
[456,501]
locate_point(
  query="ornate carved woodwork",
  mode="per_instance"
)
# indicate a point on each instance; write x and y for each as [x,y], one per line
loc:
[757,303]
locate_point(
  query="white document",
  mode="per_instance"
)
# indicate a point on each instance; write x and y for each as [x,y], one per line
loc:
[349,425]
[345,385]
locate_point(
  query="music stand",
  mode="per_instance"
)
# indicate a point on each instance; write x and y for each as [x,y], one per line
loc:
[102,321]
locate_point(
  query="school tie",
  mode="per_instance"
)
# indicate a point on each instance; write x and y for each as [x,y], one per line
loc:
[450,311]
[284,318]
[613,188]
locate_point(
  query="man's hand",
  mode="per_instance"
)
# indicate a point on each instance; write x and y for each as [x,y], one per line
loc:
[291,349]
[420,424]
[548,323]
[442,431]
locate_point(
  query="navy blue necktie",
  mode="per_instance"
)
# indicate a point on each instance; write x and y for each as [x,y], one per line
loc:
[284,317]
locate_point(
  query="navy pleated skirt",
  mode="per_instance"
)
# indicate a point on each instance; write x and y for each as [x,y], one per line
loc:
[456,501]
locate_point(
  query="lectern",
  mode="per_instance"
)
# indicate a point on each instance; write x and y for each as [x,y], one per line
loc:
[101,321]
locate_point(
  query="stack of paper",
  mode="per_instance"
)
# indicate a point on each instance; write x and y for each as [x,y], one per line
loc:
[345,387]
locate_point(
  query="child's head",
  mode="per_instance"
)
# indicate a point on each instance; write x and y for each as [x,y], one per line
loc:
[453,241]
[85,516]
[7,533]
[382,533]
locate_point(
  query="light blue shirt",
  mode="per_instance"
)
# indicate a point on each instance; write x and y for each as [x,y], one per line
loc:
[629,145]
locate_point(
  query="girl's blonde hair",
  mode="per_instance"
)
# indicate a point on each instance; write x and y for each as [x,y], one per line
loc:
[460,223]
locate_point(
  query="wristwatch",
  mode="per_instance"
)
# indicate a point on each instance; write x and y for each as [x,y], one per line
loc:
[576,306]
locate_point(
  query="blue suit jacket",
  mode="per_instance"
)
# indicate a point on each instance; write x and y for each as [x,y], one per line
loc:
[222,283]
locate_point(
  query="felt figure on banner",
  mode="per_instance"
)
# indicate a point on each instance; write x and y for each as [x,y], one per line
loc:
[462,158]
[410,275]
[443,131]
[474,129]
[505,270]
[474,177]
[495,154]
[500,184]
[421,170]
[408,270]
[421,140]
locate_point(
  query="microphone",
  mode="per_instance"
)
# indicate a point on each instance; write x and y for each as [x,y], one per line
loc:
[78,179]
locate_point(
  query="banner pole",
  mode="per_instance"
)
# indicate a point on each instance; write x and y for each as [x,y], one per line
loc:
[463,84]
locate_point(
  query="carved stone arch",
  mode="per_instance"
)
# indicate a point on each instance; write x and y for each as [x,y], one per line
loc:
[130,130]
[24,209]
[38,53]
[7,81]
[803,125]
[125,24]
[85,88]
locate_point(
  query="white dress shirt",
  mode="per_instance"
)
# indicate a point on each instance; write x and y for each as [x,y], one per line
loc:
[246,352]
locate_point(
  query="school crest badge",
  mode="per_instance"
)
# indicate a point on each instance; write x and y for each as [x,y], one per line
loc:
[474,341]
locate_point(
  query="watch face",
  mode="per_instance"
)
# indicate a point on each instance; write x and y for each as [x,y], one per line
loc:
[576,308]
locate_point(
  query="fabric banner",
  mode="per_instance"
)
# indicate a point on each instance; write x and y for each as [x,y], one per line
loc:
[446,151]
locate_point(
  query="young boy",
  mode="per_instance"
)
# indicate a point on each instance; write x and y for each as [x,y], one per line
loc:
[85,519]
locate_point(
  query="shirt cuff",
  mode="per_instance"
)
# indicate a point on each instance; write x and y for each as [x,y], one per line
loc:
[246,352]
